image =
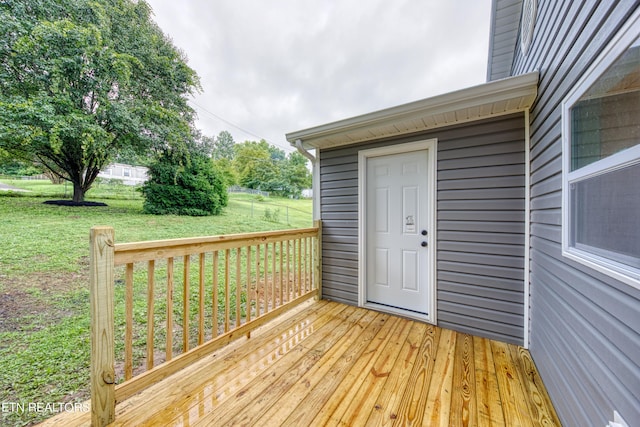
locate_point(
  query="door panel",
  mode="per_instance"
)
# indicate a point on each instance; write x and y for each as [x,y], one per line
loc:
[396,214]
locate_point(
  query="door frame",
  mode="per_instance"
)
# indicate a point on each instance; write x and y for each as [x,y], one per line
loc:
[363,155]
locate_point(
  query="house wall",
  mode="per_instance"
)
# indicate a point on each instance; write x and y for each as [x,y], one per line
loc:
[585,326]
[480,220]
[129,175]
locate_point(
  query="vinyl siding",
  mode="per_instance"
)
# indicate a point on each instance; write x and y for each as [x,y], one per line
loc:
[480,225]
[585,326]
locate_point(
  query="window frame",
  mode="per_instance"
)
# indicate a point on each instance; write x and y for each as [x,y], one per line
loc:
[527,25]
[629,32]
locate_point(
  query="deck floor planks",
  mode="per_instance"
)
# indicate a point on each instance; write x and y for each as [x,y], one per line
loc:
[441,386]
[281,384]
[488,400]
[360,396]
[255,384]
[215,380]
[464,379]
[316,377]
[331,364]
[414,397]
[514,405]
[418,357]
[370,382]
[540,406]
[325,397]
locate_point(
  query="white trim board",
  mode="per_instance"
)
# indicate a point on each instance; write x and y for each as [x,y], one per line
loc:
[492,99]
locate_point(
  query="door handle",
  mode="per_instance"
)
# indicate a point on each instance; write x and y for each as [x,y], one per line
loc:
[423,244]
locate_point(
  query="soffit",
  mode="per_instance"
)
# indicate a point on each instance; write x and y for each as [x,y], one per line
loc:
[490,99]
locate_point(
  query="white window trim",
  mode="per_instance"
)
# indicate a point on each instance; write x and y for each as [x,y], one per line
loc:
[620,43]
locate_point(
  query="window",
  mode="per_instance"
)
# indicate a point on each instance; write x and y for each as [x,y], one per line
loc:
[527,23]
[601,164]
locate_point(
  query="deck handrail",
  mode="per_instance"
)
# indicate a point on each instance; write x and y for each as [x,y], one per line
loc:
[262,274]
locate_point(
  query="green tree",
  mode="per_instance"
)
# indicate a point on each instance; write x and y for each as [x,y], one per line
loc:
[184,184]
[296,173]
[226,169]
[256,169]
[204,144]
[263,166]
[223,147]
[81,80]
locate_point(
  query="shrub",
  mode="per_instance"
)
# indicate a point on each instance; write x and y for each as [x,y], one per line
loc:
[271,216]
[184,186]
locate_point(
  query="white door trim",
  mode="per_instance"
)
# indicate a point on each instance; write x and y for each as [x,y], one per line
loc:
[363,156]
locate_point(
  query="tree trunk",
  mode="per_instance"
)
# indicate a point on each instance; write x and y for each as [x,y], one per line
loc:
[78,192]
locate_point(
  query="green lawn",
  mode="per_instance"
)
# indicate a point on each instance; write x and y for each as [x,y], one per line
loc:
[44,308]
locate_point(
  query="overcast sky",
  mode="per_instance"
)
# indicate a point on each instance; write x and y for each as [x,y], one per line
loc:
[272,67]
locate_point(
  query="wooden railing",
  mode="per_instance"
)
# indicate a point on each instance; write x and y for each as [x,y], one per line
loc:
[181,299]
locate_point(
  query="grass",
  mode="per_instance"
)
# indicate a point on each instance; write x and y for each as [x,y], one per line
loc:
[44,319]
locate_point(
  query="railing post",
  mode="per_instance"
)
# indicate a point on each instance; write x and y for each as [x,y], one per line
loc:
[318,266]
[101,254]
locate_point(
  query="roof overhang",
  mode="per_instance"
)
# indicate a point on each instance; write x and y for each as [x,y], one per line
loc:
[496,98]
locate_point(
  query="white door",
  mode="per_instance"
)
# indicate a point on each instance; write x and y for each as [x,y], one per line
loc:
[397,232]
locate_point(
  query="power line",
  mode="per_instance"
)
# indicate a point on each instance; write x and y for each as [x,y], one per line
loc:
[284,147]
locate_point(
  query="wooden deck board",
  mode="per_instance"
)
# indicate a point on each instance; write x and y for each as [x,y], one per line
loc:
[488,401]
[371,382]
[330,364]
[319,376]
[464,376]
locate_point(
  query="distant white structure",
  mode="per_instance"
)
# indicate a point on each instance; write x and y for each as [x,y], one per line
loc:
[129,175]
[307,193]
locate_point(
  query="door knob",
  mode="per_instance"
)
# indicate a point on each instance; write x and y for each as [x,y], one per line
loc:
[423,244]
[424,232]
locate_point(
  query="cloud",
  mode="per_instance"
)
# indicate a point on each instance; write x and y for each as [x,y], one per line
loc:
[274,67]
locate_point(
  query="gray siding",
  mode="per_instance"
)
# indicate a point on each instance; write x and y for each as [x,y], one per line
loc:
[585,326]
[480,217]
[481,230]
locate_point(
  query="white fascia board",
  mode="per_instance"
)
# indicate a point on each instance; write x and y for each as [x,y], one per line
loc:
[521,90]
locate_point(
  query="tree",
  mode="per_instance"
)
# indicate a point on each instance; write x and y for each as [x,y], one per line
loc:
[184,184]
[226,169]
[255,167]
[203,144]
[223,147]
[81,80]
[263,166]
[297,174]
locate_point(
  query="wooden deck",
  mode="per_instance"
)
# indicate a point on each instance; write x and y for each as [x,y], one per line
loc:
[330,364]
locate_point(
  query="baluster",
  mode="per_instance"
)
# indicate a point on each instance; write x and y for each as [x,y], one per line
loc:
[150,313]
[201,300]
[185,303]
[249,293]
[214,320]
[266,271]
[273,275]
[128,331]
[227,303]
[169,332]
[238,287]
